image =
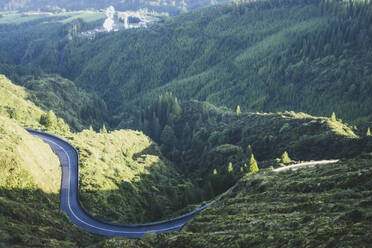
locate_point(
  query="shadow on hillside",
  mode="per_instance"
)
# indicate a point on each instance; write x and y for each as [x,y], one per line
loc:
[159,193]
[31,217]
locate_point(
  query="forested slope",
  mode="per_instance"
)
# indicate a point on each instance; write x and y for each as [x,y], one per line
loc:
[309,56]
[266,55]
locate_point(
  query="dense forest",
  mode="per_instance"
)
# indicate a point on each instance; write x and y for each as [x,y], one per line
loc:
[292,55]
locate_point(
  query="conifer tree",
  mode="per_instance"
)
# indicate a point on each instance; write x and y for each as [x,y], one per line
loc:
[91,129]
[285,158]
[230,168]
[253,166]
[238,112]
[103,129]
[333,117]
[215,172]
[368,132]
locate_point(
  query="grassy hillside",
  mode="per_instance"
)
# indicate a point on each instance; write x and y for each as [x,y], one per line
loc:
[51,92]
[14,104]
[324,206]
[29,193]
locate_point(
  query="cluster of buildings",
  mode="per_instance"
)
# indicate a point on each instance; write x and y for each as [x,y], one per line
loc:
[116,21]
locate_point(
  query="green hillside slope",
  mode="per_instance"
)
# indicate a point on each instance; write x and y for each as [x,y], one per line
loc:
[324,206]
[124,177]
[29,193]
[14,104]
[77,107]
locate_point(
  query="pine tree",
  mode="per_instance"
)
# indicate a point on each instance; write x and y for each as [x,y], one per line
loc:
[368,132]
[215,172]
[333,116]
[285,158]
[91,129]
[103,129]
[253,166]
[230,168]
[238,112]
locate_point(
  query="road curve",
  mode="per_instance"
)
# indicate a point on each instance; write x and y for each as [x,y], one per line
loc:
[70,203]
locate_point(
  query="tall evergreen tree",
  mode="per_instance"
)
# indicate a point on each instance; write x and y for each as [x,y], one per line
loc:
[230,168]
[238,111]
[253,166]
[333,116]
[285,158]
[368,132]
[103,129]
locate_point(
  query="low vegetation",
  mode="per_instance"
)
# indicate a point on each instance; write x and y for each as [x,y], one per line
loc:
[324,206]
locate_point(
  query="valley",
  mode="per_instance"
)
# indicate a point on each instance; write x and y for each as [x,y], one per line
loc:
[200,106]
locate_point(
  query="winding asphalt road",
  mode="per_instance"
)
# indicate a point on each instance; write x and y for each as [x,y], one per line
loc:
[70,203]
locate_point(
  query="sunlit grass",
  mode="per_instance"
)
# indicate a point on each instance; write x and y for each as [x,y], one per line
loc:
[14,104]
[17,18]
[87,16]
[26,162]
